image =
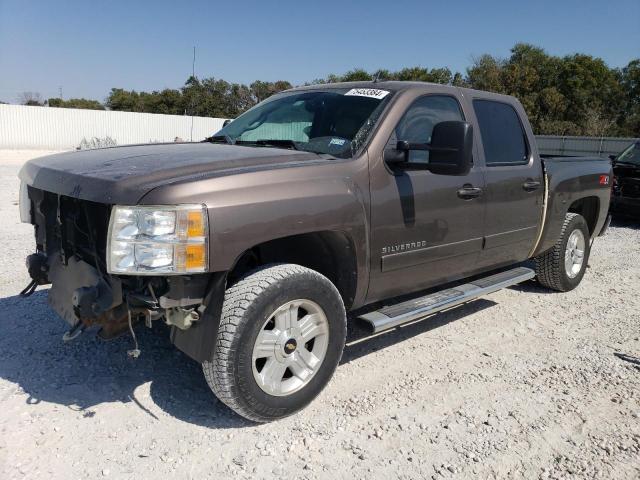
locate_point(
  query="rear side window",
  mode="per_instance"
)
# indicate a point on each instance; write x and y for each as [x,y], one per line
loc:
[502,135]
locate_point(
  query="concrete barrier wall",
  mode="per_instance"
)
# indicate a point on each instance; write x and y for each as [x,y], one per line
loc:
[582,146]
[24,127]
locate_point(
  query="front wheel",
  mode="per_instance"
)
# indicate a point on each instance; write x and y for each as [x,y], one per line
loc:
[281,336]
[562,267]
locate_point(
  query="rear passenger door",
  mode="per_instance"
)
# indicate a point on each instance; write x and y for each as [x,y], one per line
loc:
[514,182]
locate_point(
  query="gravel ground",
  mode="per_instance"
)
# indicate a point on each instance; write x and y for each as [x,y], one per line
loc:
[521,384]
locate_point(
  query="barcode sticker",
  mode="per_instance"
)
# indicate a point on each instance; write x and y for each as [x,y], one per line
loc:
[368,92]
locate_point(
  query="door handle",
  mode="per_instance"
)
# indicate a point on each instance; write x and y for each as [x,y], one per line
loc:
[530,185]
[468,191]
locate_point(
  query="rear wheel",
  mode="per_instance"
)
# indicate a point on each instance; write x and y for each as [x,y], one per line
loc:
[280,339]
[562,267]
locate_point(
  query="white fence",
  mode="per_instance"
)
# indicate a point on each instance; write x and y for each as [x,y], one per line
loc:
[66,128]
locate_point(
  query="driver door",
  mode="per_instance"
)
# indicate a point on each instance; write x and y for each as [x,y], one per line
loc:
[424,229]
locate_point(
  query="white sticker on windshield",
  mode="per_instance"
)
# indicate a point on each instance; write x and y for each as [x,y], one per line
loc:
[368,92]
[337,141]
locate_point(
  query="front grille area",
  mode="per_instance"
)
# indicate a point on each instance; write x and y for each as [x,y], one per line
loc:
[68,226]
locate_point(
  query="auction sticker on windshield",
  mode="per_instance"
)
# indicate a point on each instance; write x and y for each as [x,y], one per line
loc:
[368,92]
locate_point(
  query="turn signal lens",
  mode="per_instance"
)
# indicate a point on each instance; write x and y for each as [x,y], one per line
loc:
[195,224]
[196,257]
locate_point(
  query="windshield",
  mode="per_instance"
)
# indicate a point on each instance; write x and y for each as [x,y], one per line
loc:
[630,155]
[335,121]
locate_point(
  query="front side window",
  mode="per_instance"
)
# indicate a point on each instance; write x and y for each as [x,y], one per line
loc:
[418,121]
[335,121]
[503,138]
[631,156]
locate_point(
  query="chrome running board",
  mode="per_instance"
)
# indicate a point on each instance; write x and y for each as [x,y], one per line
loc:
[395,315]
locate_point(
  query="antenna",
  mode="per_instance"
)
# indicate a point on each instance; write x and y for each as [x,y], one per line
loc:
[60,91]
[193,74]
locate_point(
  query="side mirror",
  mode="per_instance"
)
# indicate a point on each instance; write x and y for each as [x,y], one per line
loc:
[451,148]
[226,122]
[613,157]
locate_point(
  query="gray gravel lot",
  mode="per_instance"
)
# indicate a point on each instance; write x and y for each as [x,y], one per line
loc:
[522,384]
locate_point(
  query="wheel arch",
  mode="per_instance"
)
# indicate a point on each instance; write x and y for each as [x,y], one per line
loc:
[330,253]
[588,208]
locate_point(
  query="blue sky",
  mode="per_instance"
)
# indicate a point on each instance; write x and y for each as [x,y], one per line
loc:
[89,47]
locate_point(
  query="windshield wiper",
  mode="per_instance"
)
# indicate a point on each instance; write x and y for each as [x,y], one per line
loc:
[219,139]
[270,143]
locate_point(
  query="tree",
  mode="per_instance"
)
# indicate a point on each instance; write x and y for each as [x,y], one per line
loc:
[208,98]
[356,75]
[30,98]
[81,103]
[589,86]
[572,95]
[485,73]
[263,90]
[124,100]
[629,120]
[421,74]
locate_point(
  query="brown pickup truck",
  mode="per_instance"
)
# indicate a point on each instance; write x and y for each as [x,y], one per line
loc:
[254,244]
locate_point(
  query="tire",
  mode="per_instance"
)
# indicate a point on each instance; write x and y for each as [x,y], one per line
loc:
[262,300]
[551,270]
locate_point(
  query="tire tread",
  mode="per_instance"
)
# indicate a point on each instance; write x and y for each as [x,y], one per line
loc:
[549,266]
[238,298]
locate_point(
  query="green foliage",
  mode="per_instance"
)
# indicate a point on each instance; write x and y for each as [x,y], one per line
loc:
[572,95]
[167,101]
[75,103]
[630,83]
[356,75]
[209,97]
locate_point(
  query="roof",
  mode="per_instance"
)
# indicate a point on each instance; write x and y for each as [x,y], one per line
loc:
[391,85]
[397,86]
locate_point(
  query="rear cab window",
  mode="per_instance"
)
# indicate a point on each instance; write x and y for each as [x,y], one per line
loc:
[503,137]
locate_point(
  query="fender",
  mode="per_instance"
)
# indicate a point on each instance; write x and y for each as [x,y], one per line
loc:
[565,188]
[252,208]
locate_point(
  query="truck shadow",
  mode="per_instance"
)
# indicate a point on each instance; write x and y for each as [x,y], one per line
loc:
[625,221]
[163,381]
[361,342]
[88,371]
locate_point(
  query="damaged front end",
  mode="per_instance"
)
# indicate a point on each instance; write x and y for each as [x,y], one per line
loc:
[75,247]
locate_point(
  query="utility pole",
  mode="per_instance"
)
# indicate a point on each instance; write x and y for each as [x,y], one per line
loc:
[60,91]
[193,75]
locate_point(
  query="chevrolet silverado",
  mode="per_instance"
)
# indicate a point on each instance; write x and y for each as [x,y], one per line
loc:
[254,244]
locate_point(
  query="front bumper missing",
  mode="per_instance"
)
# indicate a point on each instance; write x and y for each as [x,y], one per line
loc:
[79,293]
[83,297]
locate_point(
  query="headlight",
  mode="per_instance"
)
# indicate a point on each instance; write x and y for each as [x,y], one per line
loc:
[25,204]
[154,240]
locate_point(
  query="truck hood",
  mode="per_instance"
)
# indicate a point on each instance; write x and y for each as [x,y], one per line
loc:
[123,175]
